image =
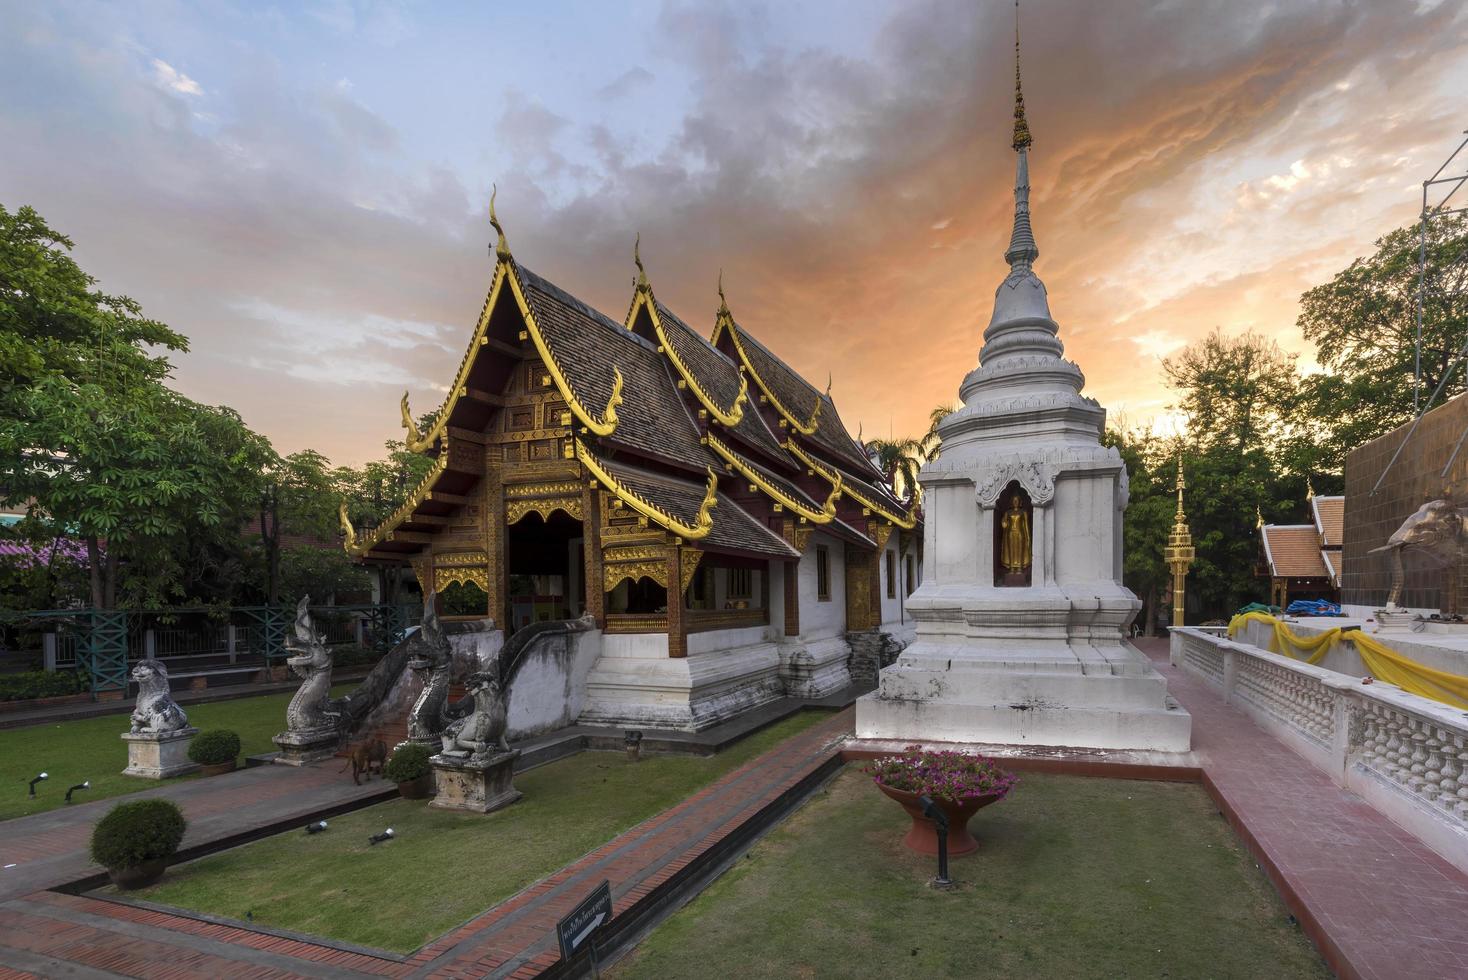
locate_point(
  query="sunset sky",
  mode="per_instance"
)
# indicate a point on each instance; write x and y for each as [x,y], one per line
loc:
[301,188]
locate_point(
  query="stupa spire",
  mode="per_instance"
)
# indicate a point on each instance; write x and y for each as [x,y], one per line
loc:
[1022,250]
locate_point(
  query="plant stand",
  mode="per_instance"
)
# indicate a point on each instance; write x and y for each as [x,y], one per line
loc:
[159,755]
[304,747]
[479,787]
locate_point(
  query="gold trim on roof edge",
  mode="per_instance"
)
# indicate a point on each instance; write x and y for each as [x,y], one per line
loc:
[692,532]
[726,322]
[729,417]
[907,522]
[417,441]
[383,531]
[823,516]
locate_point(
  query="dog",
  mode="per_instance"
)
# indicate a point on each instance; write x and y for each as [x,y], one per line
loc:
[362,756]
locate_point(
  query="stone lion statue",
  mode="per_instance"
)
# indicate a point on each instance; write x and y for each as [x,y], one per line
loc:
[155,711]
[481,733]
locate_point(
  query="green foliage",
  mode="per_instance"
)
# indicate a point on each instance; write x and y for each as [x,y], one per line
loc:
[319,572]
[409,762]
[42,684]
[216,746]
[138,831]
[1364,325]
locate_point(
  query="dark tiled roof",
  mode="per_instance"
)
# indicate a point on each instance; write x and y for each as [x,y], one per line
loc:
[719,377]
[733,529]
[801,397]
[587,345]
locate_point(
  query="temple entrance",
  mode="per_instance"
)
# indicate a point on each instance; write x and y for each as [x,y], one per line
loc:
[1013,547]
[545,570]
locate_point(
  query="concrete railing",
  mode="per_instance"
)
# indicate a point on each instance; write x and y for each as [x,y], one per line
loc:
[1404,754]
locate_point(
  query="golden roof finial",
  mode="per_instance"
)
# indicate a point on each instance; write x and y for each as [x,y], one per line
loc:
[642,283]
[1022,138]
[502,247]
[829,380]
[1258,517]
[1309,489]
[723,303]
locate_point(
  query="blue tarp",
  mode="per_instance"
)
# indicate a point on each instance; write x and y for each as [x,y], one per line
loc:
[1314,607]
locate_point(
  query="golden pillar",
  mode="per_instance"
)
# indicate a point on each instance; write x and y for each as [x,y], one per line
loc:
[1179,551]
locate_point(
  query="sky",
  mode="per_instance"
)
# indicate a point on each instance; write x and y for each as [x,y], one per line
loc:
[302,188]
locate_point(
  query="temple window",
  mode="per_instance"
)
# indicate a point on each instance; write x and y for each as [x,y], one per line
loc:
[891,575]
[823,573]
[911,585]
[740,583]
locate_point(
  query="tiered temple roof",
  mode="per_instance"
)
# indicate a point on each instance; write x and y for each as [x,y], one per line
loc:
[718,442]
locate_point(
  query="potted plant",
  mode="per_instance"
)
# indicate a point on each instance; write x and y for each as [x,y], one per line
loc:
[409,768]
[215,750]
[959,783]
[135,840]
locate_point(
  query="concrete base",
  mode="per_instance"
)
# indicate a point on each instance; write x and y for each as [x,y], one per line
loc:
[635,684]
[1091,695]
[159,755]
[301,748]
[479,787]
[814,668]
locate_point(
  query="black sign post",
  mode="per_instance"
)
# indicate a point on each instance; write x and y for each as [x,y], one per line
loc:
[578,929]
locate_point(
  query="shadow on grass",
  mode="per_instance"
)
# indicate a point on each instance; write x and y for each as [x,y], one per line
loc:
[1074,877]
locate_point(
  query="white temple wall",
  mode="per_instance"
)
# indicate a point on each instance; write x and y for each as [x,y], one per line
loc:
[822,618]
[955,549]
[891,608]
[1084,510]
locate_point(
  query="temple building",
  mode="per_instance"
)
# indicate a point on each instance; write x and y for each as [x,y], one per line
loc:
[1303,561]
[697,499]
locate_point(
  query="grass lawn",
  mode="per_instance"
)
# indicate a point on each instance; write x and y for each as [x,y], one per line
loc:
[443,868]
[1074,877]
[91,749]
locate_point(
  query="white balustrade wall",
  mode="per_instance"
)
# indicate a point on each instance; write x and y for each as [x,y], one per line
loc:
[1404,754]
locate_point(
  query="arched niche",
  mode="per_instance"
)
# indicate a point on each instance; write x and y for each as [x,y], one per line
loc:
[1014,540]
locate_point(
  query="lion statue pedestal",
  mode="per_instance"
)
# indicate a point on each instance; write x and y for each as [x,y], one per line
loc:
[475,770]
[158,742]
[480,786]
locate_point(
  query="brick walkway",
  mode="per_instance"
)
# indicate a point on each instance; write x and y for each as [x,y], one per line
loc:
[1376,900]
[51,934]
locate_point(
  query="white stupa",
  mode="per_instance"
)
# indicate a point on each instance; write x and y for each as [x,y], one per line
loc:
[1021,613]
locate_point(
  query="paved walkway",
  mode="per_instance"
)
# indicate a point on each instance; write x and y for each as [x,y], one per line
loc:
[1377,901]
[51,934]
[50,849]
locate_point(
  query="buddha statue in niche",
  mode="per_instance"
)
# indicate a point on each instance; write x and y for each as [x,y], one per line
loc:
[1014,542]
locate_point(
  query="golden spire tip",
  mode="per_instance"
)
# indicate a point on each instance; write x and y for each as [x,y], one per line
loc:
[1022,139]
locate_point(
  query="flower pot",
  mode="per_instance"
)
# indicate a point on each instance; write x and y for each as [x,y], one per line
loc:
[139,875]
[218,768]
[922,836]
[417,789]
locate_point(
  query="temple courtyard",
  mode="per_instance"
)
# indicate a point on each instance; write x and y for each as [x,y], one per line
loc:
[1252,864]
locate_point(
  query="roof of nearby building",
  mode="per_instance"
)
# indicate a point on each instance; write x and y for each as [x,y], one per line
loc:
[1293,551]
[1330,519]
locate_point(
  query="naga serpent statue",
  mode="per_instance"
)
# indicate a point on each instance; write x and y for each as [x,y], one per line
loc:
[155,712]
[310,659]
[431,660]
[1436,529]
[481,733]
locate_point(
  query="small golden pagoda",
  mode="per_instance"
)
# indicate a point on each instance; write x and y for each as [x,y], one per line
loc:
[1179,551]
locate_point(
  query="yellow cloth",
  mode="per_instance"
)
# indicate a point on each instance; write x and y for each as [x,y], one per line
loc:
[1383,662]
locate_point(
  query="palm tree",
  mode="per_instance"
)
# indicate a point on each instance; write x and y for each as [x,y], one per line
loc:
[929,445]
[899,460]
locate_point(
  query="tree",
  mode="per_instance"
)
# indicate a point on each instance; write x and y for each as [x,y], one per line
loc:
[1364,327]
[90,436]
[1151,464]
[899,460]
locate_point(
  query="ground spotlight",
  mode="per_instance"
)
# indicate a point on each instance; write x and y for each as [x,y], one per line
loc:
[37,780]
[316,828]
[379,838]
[940,821]
[87,784]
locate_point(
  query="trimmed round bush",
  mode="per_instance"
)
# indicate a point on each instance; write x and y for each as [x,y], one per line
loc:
[214,747]
[408,763]
[138,831]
